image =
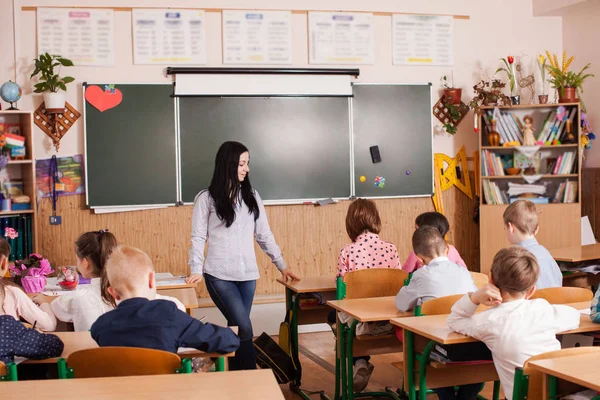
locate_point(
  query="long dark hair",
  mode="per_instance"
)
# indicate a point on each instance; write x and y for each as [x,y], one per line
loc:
[225,186]
[96,247]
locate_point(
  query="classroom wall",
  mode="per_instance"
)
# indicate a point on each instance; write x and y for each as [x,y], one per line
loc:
[580,27]
[309,236]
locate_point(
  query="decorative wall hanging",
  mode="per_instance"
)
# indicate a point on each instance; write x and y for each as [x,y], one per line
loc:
[450,115]
[455,174]
[105,99]
[56,125]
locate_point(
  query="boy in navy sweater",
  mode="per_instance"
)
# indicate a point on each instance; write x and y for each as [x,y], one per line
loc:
[141,321]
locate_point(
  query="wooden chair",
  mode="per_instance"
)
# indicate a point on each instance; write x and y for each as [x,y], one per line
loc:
[528,382]
[8,372]
[564,295]
[121,361]
[376,282]
[480,279]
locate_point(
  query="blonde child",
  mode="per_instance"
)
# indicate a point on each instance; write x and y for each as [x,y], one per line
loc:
[438,221]
[516,328]
[83,306]
[141,321]
[521,226]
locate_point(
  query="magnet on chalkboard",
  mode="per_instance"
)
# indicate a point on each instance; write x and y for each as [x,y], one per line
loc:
[375,155]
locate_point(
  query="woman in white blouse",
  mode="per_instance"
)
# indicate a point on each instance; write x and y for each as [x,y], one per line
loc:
[232,215]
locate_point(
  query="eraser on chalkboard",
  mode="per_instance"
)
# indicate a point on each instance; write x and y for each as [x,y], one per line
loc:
[375,155]
[324,202]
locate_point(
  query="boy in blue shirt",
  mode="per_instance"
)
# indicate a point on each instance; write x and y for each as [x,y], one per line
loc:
[521,225]
[140,321]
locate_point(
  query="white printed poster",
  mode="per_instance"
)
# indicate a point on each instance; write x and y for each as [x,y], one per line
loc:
[257,37]
[341,38]
[423,39]
[169,36]
[85,36]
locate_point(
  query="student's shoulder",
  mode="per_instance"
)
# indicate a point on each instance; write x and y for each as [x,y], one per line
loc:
[204,197]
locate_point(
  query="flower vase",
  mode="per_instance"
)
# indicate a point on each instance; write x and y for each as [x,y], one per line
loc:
[516,100]
[543,98]
[567,95]
[493,136]
[33,284]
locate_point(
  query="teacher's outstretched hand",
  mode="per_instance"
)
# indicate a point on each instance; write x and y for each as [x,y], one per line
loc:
[230,215]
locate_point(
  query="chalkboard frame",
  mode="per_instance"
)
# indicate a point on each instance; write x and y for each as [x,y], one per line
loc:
[432,123]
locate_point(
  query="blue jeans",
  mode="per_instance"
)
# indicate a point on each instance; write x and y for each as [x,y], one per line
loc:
[234,300]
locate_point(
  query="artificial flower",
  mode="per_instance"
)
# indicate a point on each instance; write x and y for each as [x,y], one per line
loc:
[11,233]
[511,59]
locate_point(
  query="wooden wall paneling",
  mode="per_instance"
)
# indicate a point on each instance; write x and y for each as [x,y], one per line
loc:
[310,237]
[590,197]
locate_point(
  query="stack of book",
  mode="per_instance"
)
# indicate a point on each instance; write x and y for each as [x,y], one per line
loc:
[492,164]
[508,126]
[493,194]
[553,128]
[22,246]
[564,163]
[566,192]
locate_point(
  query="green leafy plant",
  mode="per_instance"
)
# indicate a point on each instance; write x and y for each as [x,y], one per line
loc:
[448,83]
[561,80]
[456,112]
[488,93]
[509,63]
[49,80]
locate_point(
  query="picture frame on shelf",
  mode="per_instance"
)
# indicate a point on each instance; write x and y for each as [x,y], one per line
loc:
[14,129]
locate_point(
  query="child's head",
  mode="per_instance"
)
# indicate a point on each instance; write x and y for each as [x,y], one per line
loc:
[435,219]
[362,217]
[428,244]
[515,272]
[92,250]
[130,273]
[520,221]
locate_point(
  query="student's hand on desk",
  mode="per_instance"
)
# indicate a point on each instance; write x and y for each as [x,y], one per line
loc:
[194,278]
[489,295]
[42,298]
[287,275]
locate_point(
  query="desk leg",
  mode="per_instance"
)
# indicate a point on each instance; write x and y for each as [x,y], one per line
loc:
[409,338]
[350,334]
[220,364]
[291,304]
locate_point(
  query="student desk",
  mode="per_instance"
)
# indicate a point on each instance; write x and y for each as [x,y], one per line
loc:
[304,316]
[75,341]
[581,370]
[372,309]
[254,384]
[186,293]
[428,330]
[578,254]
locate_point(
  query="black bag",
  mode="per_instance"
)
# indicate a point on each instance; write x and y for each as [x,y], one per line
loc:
[270,355]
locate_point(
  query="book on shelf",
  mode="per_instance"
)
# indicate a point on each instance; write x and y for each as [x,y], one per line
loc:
[493,164]
[535,200]
[493,194]
[566,192]
[564,163]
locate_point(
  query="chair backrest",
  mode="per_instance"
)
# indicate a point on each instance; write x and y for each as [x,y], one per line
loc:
[480,279]
[441,305]
[122,361]
[535,377]
[563,295]
[374,282]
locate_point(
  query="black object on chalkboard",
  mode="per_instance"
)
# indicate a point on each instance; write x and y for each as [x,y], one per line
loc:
[375,155]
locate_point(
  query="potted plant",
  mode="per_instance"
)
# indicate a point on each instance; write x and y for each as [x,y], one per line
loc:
[457,111]
[509,68]
[31,272]
[489,93]
[451,94]
[541,62]
[568,83]
[50,83]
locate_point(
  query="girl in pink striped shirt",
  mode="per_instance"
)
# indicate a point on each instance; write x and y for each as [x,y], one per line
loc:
[438,221]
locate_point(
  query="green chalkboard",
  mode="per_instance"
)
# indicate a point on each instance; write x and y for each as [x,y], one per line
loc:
[299,146]
[131,148]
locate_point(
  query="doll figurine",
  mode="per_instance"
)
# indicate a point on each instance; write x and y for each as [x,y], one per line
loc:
[528,138]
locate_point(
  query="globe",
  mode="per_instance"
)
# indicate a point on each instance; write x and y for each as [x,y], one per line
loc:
[11,93]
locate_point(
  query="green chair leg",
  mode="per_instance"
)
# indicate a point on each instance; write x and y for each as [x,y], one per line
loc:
[220,364]
[521,385]
[64,372]
[11,373]
[186,367]
[496,390]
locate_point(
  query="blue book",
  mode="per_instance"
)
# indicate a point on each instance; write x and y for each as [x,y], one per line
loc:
[534,200]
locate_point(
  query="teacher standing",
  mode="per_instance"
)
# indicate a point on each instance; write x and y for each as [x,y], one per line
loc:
[231,215]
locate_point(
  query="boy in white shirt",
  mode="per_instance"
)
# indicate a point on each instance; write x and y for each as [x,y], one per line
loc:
[515,328]
[438,277]
[521,225]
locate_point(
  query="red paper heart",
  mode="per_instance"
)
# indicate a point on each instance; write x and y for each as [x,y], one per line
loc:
[103,100]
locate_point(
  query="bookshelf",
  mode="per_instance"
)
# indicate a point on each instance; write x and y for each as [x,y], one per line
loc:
[23,220]
[553,172]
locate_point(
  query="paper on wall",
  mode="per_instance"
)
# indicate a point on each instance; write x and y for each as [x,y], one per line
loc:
[422,39]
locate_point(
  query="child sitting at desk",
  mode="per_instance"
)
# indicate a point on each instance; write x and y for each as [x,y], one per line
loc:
[366,251]
[439,277]
[521,225]
[516,328]
[16,303]
[158,324]
[83,306]
[438,221]
[15,339]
